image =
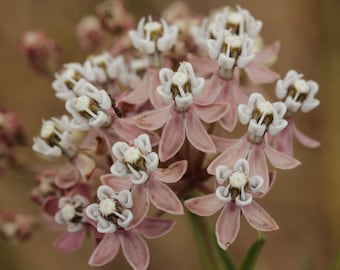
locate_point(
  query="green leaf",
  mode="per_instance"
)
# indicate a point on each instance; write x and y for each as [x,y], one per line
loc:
[253,253]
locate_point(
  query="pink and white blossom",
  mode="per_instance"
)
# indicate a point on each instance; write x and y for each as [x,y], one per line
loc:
[181,116]
[90,108]
[55,138]
[152,36]
[297,93]
[234,195]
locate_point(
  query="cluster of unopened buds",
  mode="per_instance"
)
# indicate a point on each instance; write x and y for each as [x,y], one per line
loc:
[149,121]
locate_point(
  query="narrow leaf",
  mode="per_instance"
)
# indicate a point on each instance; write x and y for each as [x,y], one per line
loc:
[253,253]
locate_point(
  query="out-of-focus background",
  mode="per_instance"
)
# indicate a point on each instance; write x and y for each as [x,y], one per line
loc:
[305,201]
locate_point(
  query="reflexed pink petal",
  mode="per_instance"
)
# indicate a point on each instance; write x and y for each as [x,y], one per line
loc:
[280,160]
[50,206]
[82,189]
[116,183]
[205,205]
[229,121]
[242,93]
[164,198]
[173,137]
[152,120]
[204,66]
[196,133]
[135,250]
[171,174]
[210,91]
[258,73]
[283,142]
[304,139]
[223,143]
[258,165]
[231,155]
[68,177]
[155,227]
[268,54]
[153,83]
[228,225]
[106,250]
[69,241]
[129,132]
[211,113]
[140,206]
[84,164]
[258,218]
[140,93]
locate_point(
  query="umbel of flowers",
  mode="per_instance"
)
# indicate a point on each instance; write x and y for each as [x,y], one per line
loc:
[141,130]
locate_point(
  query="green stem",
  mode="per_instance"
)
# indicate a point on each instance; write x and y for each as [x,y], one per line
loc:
[211,255]
[253,253]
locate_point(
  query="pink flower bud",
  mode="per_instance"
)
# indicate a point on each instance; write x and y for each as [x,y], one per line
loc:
[90,33]
[41,53]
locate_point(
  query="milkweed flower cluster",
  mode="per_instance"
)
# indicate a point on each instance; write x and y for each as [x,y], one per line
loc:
[140,130]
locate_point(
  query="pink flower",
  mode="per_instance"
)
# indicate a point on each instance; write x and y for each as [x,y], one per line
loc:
[41,52]
[45,186]
[15,227]
[239,22]
[297,94]
[181,117]
[136,168]
[263,117]
[113,216]
[11,132]
[234,194]
[90,33]
[69,211]
[152,37]
[114,16]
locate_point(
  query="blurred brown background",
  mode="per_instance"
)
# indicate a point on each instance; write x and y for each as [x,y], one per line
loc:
[305,201]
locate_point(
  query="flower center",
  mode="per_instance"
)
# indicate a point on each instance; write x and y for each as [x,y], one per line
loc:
[180,84]
[111,210]
[153,30]
[46,187]
[232,46]
[238,180]
[50,133]
[238,184]
[298,90]
[71,77]
[108,207]
[68,212]
[87,107]
[98,61]
[234,22]
[134,157]
[263,113]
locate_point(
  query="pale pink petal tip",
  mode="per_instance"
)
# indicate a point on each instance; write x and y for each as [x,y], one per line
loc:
[106,250]
[155,227]
[135,250]
[258,218]
[280,160]
[206,205]
[173,173]
[228,225]
[69,241]
[164,198]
